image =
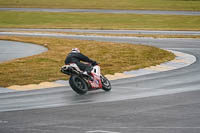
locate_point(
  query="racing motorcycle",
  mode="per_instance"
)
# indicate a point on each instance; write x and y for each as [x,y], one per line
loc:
[81,83]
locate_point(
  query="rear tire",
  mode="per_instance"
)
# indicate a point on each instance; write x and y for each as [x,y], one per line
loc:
[106,85]
[78,84]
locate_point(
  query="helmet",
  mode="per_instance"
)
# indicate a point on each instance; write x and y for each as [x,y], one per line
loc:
[75,50]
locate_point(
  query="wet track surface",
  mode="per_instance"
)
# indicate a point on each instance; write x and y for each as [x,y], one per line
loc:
[11,50]
[177,113]
[108,31]
[104,11]
[165,102]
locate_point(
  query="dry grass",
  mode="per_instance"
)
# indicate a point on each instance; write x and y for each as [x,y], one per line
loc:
[112,57]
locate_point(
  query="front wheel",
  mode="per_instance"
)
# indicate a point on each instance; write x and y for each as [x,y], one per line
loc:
[106,86]
[78,84]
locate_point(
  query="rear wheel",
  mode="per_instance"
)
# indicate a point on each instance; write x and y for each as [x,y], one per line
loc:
[106,86]
[78,84]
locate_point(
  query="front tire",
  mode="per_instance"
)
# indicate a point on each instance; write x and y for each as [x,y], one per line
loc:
[106,85]
[78,84]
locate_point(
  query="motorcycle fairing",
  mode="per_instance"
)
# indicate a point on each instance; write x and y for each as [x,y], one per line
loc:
[96,82]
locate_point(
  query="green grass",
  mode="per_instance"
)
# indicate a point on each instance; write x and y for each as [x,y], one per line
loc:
[97,21]
[112,57]
[106,4]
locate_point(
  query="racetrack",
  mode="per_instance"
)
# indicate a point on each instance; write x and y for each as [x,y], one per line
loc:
[11,50]
[165,102]
[143,32]
[154,103]
[104,11]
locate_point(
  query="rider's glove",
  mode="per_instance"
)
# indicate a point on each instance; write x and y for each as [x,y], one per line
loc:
[94,63]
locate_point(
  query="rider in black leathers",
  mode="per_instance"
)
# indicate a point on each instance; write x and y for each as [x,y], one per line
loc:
[75,57]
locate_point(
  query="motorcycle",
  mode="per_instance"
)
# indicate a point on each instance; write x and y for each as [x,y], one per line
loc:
[82,83]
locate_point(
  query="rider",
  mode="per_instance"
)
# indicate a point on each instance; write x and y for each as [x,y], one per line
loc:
[75,56]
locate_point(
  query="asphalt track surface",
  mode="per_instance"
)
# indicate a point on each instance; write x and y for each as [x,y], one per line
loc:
[166,102]
[11,50]
[104,11]
[109,31]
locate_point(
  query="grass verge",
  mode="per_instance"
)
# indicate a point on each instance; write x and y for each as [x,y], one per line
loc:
[106,4]
[113,58]
[97,21]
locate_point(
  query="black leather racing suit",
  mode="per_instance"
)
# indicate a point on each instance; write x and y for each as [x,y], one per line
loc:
[75,57]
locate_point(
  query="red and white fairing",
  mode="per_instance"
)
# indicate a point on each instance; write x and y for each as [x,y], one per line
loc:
[96,74]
